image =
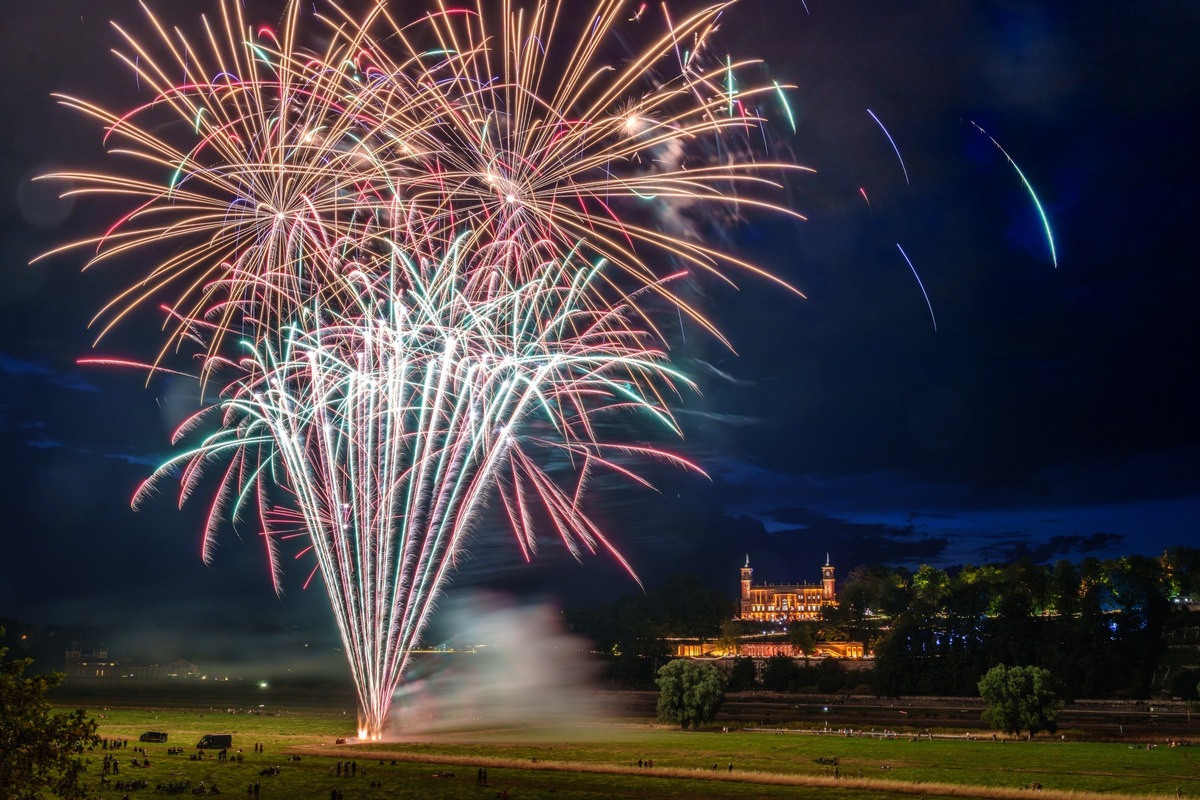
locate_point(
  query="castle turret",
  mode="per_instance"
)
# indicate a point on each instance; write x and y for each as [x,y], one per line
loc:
[746,572]
[828,587]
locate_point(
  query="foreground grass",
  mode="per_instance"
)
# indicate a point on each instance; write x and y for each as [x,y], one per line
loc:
[602,761]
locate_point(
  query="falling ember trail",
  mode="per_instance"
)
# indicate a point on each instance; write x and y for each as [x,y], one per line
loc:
[899,157]
[928,304]
[1028,188]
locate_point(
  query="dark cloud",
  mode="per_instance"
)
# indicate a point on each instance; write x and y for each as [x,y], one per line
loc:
[853,543]
[137,460]
[38,369]
[731,420]
[1056,547]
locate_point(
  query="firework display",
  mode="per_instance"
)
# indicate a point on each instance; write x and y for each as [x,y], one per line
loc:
[424,269]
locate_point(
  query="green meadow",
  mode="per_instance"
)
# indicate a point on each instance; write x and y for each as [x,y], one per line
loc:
[599,761]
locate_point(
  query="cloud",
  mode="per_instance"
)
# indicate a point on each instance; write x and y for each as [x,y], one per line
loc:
[36,436]
[735,420]
[850,543]
[70,380]
[1098,507]
[1065,546]
[136,460]
[74,382]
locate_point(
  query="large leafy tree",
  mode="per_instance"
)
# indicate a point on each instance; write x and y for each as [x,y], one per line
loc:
[41,751]
[690,693]
[1020,698]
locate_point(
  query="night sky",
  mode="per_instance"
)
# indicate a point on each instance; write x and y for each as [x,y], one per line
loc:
[1051,414]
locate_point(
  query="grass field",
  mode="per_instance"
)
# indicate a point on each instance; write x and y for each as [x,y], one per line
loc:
[602,762]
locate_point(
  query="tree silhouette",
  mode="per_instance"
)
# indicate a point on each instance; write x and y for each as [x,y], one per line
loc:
[42,749]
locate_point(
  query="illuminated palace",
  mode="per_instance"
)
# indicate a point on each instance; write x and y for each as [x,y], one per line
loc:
[786,602]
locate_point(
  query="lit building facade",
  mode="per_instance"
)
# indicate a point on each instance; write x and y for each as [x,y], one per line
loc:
[100,665]
[765,648]
[783,603]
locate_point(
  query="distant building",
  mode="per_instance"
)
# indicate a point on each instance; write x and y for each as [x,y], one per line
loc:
[777,604]
[181,669]
[96,664]
[99,665]
[762,648]
[786,602]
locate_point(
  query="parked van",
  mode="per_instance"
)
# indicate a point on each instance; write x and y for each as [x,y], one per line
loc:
[215,741]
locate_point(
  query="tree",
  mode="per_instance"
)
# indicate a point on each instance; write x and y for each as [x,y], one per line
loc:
[780,674]
[830,676]
[743,676]
[729,641]
[43,751]
[930,588]
[684,606]
[1020,698]
[689,692]
[800,636]
[1183,685]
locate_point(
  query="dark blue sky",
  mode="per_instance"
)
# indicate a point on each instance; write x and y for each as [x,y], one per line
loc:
[1051,414]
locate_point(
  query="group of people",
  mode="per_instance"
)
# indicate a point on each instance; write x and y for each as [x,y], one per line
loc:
[123,786]
[176,787]
[223,755]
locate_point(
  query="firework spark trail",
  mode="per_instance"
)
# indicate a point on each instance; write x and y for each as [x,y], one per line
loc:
[408,266]
[1028,188]
[335,412]
[783,102]
[920,283]
[899,157]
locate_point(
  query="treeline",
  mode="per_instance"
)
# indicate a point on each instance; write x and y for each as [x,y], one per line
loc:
[631,633]
[1096,625]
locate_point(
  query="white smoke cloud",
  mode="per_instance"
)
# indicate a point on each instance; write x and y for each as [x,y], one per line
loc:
[525,671]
